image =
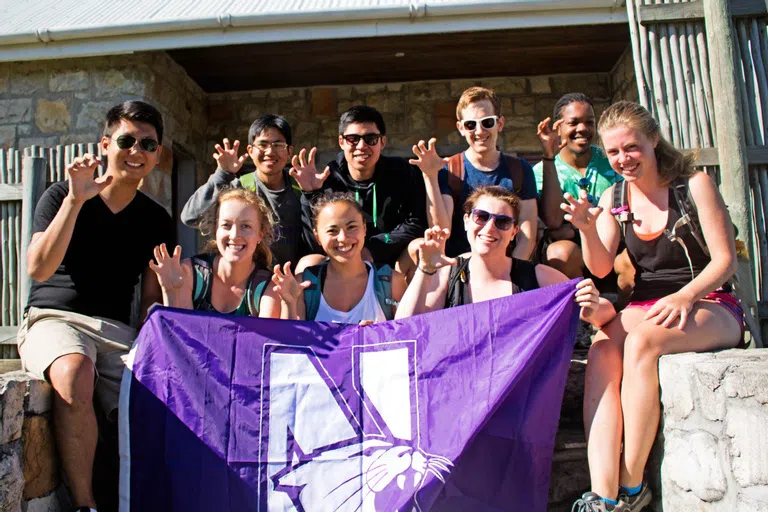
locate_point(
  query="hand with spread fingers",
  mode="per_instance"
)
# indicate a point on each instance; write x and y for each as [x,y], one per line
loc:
[305,173]
[580,212]
[227,157]
[587,297]
[286,286]
[668,309]
[549,137]
[175,278]
[432,250]
[427,158]
[82,184]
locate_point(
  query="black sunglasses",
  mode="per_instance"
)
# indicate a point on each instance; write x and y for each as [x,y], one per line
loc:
[370,139]
[487,122]
[502,222]
[148,144]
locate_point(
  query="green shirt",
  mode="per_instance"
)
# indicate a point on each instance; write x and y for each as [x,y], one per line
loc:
[600,175]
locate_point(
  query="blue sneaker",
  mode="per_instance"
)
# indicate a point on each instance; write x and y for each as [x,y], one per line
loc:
[639,501]
[591,502]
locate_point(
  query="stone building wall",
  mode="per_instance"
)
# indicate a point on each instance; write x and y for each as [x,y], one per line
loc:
[412,110]
[623,82]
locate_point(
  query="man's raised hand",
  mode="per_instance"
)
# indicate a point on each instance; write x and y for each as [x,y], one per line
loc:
[227,157]
[427,158]
[82,184]
[305,173]
[549,138]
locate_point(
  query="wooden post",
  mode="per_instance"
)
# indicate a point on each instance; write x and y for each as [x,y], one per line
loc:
[34,173]
[734,169]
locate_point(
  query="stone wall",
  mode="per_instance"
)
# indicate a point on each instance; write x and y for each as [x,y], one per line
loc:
[29,472]
[412,110]
[713,442]
[64,101]
[623,82]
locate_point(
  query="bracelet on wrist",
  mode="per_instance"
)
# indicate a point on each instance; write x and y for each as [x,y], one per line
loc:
[426,272]
[548,159]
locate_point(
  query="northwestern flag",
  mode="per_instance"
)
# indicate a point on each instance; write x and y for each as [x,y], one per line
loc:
[453,410]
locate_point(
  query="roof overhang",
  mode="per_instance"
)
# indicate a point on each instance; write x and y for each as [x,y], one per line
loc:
[230,29]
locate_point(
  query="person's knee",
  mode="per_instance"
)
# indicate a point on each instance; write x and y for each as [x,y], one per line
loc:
[564,250]
[413,249]
[72,378]
[309,260]
[605,356]
[642,347]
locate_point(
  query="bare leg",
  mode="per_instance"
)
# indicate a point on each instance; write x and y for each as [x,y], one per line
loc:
[72,378]
[709,327]
[308,261]
[566,257]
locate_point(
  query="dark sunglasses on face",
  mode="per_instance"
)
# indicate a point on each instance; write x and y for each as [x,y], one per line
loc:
[371,139]
[128,141]
[487,123]
[502,222]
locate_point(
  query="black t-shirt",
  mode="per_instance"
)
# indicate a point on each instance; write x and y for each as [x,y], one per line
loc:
[107,254]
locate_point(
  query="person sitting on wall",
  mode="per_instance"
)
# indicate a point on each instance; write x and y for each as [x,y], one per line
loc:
[270,148]
[450,181]
[388,189]
[92,240]
[681,300]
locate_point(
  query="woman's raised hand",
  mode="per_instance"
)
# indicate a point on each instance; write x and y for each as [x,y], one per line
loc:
[432,250]
[171,274]
[286,287]
[580,212]
[587,297]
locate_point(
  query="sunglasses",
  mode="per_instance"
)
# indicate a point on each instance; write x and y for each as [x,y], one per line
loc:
[277,145]
[371,139]
[502,222]
[487,122]
[128,141]
[584,184]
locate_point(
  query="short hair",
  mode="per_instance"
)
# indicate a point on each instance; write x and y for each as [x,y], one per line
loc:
[476,94]
[275,121]
[362,114]
[134,110]
[332,198]
[567,99]
[497,192]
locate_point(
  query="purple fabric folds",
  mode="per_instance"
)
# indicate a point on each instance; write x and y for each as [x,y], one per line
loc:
[450,411]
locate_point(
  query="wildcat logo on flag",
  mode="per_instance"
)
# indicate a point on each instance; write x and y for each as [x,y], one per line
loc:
[452,410]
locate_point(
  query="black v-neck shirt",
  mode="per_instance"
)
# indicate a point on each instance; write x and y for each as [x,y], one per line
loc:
[107,254]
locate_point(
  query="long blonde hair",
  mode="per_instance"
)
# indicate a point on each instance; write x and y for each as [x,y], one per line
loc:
[671,163]
[210,220]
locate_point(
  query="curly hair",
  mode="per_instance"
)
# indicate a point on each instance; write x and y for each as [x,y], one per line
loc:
[210,220]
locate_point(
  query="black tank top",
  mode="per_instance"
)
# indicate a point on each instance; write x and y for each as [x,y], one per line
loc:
[661,267]
[522,274]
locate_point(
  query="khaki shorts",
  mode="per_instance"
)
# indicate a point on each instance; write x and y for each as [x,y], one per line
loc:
[47,334]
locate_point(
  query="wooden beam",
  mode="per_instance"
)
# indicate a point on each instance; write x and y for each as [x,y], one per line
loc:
[756,155]
[8,334]
[694,11]
[34,171]
[10,192]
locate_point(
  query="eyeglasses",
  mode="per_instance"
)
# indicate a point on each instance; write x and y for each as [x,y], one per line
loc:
[502,222]
[371,139]
[487,122]
[277,145]
[148,144]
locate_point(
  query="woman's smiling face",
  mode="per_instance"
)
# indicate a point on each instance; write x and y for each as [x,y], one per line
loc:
[340,230]
[488,238]
[630,152]
[238,230]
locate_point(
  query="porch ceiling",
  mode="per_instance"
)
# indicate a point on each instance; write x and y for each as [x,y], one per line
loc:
[529,51]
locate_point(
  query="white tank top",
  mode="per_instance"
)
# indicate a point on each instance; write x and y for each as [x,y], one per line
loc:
[367,309]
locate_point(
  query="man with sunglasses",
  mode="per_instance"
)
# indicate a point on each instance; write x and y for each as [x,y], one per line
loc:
[93,239]
[450,181]
[270,148]
[389,189]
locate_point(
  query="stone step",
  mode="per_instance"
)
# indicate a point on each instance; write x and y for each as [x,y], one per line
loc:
[9,365]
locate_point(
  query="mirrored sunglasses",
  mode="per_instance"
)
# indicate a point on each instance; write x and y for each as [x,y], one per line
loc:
[502,222]
[487,123]
[370,139]
[148,144]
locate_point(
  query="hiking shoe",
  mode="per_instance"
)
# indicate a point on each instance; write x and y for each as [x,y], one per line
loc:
[591,502]
[639,501]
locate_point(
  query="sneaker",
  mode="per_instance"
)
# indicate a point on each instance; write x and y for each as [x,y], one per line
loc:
[591,502]
[639,501]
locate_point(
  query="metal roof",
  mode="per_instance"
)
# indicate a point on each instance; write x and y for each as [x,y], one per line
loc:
[34,29]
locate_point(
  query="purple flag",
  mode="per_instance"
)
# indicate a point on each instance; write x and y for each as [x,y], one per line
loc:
[454,410]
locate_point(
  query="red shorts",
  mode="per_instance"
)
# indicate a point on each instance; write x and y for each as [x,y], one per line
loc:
[727,300]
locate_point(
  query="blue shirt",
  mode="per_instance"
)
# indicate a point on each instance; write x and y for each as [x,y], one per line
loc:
[473,178]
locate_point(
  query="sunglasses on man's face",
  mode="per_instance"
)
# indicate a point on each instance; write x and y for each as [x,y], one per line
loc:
[371,139]
[487,123]
[502,222]
[148,144]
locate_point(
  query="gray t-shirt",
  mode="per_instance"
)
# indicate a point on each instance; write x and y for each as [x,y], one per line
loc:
[288,244]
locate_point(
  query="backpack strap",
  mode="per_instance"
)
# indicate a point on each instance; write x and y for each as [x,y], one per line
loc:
[202,266]
[315,275]
[248,180]
[620,207]
[255,290]
[515,167]
[455,178]
[687,206]
[456,294]
[383,289]
[523,275]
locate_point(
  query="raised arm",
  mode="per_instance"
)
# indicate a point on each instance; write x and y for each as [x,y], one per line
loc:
[551,193]
[289,289]
[173,276]
[525,240]
[430,163]
[599,231]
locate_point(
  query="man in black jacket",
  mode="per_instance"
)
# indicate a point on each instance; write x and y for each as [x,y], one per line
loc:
[389,189]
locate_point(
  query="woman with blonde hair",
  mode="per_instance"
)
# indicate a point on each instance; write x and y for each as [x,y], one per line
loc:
[232,276]
[681,242]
